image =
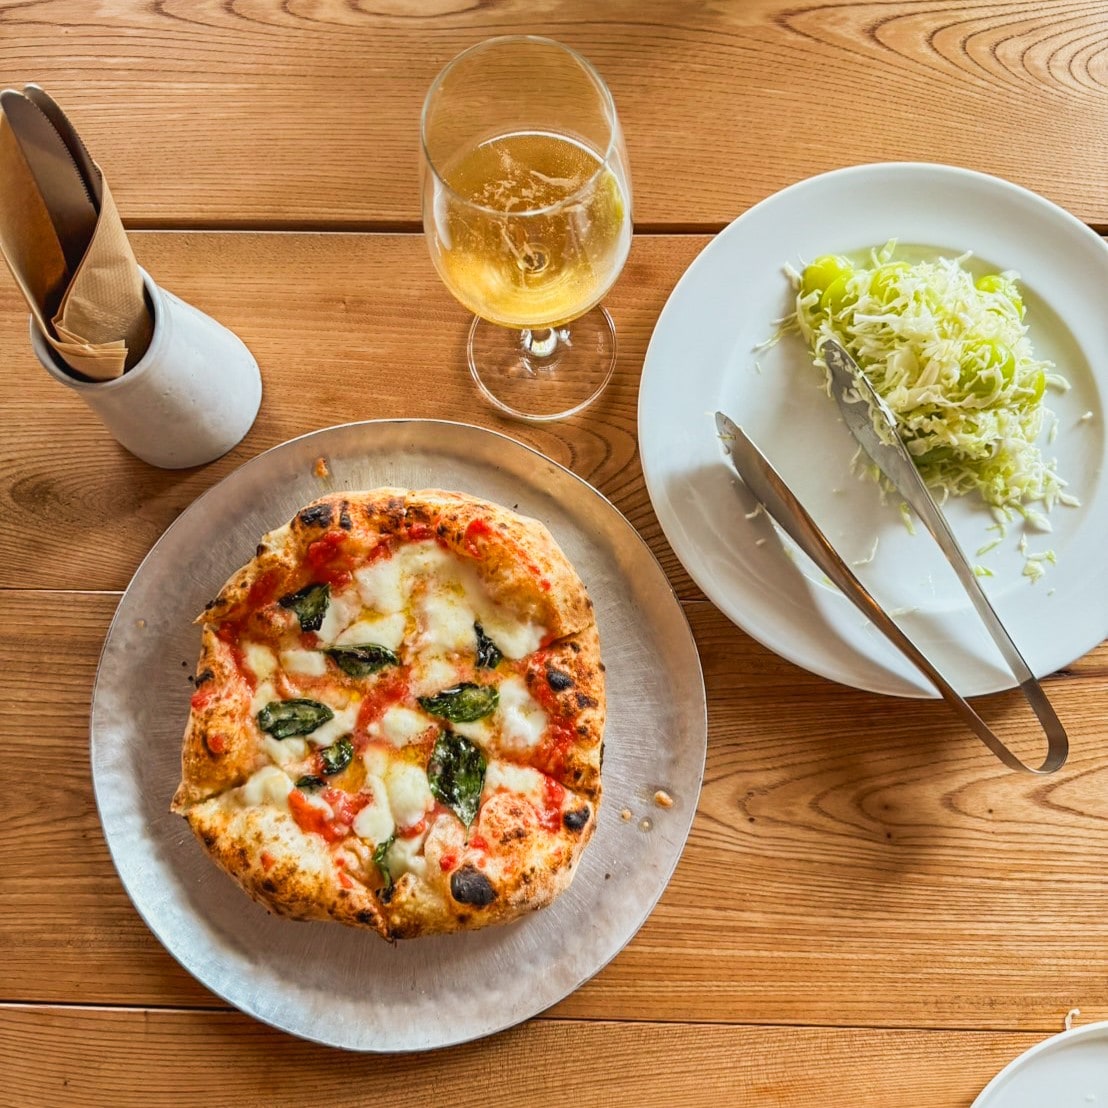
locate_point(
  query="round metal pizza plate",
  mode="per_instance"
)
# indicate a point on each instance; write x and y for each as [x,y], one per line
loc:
[338,985]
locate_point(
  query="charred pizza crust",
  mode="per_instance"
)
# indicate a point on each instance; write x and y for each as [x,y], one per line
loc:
[404,837]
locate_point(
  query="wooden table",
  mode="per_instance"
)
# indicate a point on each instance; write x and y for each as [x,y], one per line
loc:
[870,909]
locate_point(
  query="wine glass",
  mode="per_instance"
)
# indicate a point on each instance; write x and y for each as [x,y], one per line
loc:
[527,214]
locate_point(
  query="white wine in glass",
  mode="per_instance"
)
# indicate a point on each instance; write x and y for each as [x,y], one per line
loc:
[527,212]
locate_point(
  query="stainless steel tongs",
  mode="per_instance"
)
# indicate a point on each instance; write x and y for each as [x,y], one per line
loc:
[856,397]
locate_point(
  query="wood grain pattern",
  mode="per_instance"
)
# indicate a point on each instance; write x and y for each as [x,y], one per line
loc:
[364,320]
[88,1056]
[854,860]
[870,910]
[307,114]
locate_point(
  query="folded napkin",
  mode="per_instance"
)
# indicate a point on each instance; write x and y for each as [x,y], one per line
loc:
[64,242]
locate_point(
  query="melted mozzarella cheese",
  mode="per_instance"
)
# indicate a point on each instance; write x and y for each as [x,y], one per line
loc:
[523,780]
[445,622]
[406,856]
[308,663]
[481,731]
[430,675]
[285,751]
[427,559]
[374,822]
[381,585]
[342,610]
[376,760]
[400,725]
[447,597]
[269,785]
[409,793]
[260,659]
[522,720]
[514,638]
[342,723]
[266,694]
[387,632]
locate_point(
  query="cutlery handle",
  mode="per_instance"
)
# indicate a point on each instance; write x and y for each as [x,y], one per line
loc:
[768,487]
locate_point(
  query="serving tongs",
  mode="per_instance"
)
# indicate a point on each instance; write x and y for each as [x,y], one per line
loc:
[874,426]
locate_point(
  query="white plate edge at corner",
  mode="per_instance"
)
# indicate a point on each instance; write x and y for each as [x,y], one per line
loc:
[1002,1084]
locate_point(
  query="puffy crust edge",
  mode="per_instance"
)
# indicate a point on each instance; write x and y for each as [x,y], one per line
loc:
[516,557]
[576,660]
[530,869]
[300,882]
[220,748]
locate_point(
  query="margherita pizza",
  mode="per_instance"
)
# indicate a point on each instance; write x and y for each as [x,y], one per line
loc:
[398,716]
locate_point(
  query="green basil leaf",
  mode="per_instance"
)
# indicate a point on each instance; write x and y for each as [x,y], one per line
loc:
[336,758]
[488,653]
[309,604]
[464,703]
[361,661]
[379,852]
[457,775]
[285,718]
[310,781]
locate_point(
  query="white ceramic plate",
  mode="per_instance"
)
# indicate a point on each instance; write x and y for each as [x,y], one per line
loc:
[335,984]
[1069,1070]
[702,357]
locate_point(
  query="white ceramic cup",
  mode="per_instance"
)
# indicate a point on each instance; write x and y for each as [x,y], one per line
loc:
[192,396]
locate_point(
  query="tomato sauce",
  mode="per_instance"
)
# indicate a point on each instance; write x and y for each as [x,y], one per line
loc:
[202,698]
[553,796]
[264,590]
[229,634]
[327,557]
[309,818]
[419,532]
[326,548]
[390,689]
[552,756]
[476,529]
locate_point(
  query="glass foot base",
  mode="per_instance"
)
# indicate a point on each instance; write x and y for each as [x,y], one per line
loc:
[544,374]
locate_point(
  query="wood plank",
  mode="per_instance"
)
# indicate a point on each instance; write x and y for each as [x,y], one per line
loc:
[365,320]
[216,114]
[854,859]
[124,1057]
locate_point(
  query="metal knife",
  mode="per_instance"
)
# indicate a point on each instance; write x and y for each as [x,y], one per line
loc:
[769,488]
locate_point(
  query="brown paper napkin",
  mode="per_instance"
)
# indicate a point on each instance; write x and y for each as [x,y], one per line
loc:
[63,240]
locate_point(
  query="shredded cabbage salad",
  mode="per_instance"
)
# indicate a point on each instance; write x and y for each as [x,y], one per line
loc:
[951,356]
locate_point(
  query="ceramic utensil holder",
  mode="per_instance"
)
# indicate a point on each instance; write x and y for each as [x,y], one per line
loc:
[192,397]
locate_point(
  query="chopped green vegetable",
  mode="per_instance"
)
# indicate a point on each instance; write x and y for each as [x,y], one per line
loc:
[309,604]
[464,703]
[379,852]
[457,775]
[951,357]
[362,660]
[284,718]
[488,654]
[334,759]
[310,781]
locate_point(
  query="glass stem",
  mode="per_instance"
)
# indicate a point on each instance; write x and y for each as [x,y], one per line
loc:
[541,343]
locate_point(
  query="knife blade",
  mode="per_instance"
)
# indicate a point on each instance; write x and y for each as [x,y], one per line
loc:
[770,490]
